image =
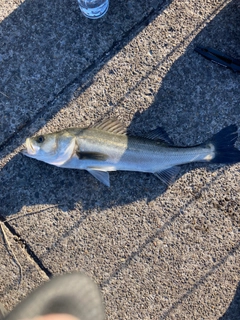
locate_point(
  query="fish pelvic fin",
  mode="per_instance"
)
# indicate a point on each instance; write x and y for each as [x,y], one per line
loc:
[223,144]
[102,176]
[168,176]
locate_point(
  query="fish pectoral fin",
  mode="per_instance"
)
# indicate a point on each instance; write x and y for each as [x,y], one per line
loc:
[82,155]
[102,176]
[168,176]
[158,134]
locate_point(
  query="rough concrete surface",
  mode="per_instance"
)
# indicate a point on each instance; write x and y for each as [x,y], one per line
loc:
[156,253]
[19,272]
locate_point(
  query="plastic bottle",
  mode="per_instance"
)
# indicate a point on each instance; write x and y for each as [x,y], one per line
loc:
[93,9]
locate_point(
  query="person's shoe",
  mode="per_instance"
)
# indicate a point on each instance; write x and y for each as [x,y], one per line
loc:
[73,294]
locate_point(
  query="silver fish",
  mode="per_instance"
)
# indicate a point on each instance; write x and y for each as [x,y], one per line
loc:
[106,147]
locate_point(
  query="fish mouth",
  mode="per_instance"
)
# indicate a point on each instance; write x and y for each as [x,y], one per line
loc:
[30,150]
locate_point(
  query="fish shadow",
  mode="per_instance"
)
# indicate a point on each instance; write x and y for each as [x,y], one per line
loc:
[39,183]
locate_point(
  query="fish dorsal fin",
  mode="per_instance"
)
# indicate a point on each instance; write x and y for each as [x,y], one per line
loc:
[102,176]
[112,125]
[168,176]
[158,134]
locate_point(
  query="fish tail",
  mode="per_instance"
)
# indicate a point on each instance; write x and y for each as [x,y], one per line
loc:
[223,143]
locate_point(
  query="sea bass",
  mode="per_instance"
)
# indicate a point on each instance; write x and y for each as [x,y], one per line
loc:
[106,147]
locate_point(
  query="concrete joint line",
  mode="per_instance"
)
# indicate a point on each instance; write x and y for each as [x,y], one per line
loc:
[4,225]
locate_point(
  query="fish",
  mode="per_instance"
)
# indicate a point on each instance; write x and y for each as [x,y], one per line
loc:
[106,146]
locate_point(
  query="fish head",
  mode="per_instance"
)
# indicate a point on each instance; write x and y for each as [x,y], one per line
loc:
[41,146]
[53,148]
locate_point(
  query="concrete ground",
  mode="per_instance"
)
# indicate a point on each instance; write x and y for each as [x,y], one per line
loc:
[156,253]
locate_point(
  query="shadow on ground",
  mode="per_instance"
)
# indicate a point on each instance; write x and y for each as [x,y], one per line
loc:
[48,48]
[233,312]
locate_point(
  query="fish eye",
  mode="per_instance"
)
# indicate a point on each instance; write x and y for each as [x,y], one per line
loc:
[40,139]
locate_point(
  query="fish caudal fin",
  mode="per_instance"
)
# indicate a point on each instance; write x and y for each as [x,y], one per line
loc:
[223,143]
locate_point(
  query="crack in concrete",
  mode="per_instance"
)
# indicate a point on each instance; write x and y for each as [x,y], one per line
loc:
[26,247]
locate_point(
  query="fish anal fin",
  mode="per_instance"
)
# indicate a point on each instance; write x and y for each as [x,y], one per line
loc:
[86,155]
[158,134]
[168,176]
[112,125]
[102,176]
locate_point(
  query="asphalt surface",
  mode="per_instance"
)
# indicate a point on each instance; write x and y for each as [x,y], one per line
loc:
[156,253]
